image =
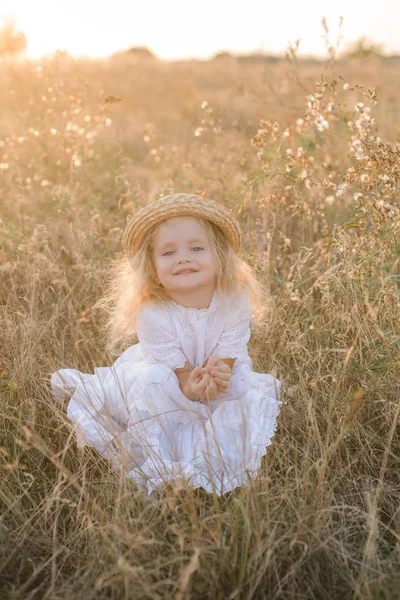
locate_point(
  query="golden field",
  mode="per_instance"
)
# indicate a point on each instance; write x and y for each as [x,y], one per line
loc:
[305,154]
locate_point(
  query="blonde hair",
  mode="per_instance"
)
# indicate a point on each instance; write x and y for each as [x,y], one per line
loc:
[133,282]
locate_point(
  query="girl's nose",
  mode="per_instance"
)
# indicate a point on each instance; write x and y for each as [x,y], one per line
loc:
[182,258]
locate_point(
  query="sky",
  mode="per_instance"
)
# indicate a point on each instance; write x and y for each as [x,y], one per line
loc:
[175,29]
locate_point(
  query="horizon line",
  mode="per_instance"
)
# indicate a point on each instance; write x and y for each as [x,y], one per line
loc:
[218,53]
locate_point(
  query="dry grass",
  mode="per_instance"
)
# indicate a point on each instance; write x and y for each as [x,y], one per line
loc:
[321,226]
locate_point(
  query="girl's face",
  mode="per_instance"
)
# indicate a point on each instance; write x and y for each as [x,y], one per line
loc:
[182,255]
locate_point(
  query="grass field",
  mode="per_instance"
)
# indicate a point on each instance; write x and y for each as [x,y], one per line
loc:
[305,154]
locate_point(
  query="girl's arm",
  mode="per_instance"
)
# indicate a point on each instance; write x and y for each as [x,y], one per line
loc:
[229,361]
[158,340]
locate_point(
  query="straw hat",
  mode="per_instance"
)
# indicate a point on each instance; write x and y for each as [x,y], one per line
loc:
[179,205]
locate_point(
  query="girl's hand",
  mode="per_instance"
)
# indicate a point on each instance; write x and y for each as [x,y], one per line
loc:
[219,371]
[201,385]
[212,390]
[197,383]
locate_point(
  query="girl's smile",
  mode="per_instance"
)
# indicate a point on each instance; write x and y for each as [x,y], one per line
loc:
[186,272]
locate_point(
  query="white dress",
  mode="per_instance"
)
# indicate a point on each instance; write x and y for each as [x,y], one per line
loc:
[135,414]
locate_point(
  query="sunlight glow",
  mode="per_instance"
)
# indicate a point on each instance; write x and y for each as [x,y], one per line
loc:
[181,29]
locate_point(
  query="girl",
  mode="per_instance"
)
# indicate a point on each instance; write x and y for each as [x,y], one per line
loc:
[184,402]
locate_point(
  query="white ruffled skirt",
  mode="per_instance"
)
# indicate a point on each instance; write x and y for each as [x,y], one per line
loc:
[135,414]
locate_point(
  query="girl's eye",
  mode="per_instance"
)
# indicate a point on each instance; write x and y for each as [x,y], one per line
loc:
[169,251]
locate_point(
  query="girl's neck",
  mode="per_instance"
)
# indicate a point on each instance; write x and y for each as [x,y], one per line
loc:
[194,299]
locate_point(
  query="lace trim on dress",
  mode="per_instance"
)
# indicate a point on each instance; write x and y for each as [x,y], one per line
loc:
[225,351]
[175,363]
[271,410]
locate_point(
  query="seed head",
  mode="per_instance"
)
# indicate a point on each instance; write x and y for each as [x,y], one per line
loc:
[111,99]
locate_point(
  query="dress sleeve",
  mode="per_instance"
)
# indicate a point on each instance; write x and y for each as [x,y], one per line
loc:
[158,342]
[236,334]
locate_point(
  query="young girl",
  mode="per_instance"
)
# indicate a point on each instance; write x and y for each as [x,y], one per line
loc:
[184,402]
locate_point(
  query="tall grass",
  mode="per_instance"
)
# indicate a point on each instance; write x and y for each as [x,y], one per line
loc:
[306,156]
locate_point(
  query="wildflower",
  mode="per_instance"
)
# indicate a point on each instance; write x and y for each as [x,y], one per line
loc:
[385,208]
[329,199]
[321,123]
[295,297]
[341,189]
[346,86]
[364,122]
[357,149]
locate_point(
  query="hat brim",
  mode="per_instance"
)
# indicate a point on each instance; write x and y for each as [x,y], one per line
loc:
[175,205]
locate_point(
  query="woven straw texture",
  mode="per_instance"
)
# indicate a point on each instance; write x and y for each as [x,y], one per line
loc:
[179,205]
